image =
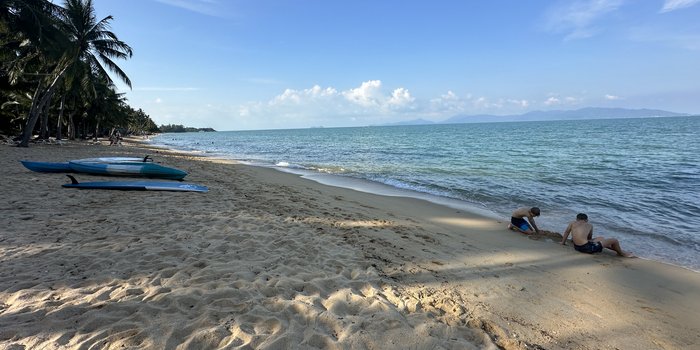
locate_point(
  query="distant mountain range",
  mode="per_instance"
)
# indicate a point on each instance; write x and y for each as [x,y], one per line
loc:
[583,113]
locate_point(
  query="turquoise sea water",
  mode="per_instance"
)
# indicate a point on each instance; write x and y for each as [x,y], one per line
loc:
[637,179]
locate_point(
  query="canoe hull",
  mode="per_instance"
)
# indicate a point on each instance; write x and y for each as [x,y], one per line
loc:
[146,169]
[47,167]
[64,167]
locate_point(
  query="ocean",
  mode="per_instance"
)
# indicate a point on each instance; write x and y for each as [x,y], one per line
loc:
[637,179]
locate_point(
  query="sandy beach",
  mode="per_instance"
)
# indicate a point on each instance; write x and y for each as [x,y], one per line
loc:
[269,260]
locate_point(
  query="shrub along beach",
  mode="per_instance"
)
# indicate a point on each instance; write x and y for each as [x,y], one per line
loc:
[269,260]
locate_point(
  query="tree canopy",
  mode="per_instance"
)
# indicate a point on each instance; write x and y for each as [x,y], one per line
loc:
[55,65]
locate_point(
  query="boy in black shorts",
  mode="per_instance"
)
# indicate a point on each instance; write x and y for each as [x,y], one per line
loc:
[582,236]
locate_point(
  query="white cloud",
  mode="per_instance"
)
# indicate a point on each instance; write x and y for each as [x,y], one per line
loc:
[577,18]
[368,94]
[448,104]
[448,98]
[519,103]
[290,96]
[400,98]
[570,100]
[484,104]
[367,104]
[555,99]
[552,101]
[158,100]
[612,97]
[672,5]
[317,91]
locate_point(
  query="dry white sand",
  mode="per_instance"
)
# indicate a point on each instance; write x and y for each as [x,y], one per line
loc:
[267,260]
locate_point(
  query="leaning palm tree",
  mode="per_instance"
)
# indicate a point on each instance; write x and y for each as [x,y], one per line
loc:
[88,43]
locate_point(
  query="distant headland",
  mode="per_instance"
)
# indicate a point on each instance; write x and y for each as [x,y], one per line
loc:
[180,128]
[582,113]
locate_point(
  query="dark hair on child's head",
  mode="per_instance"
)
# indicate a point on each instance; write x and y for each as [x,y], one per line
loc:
[581,216]
[535,211]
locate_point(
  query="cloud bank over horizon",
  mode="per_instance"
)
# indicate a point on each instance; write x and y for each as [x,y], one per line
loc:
[372,103]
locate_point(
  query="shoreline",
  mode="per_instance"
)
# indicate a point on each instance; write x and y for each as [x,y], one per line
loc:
[268,259]
[379,188]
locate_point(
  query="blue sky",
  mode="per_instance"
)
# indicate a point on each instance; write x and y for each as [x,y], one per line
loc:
[259,64]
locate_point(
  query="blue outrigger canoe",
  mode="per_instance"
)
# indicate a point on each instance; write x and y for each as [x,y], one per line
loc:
[47,167]
[118,166]
[146,169]
[64,167]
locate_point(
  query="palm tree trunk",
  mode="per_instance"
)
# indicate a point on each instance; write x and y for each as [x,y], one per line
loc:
[44,124]
[39,100]
[71,126]
[97,127]
[59,125]
[31,119]
[41,135]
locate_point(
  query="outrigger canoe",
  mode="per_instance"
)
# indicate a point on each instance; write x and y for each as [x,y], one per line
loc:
[146,169]
[118,166]
[64,167]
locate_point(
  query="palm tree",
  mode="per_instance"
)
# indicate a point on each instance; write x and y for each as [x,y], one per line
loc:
[107,107]
[28,42]
[88,43]
[28,35]
[140,123]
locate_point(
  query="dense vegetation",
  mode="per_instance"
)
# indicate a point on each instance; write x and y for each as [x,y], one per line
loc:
[53,73]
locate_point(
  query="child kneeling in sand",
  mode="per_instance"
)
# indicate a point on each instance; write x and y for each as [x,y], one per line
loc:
[582,236]
[518,222]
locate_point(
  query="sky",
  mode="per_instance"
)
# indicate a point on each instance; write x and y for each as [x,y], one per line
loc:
[264,64]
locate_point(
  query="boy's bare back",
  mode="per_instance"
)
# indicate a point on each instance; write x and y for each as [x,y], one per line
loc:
[581,231]
[522,212]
